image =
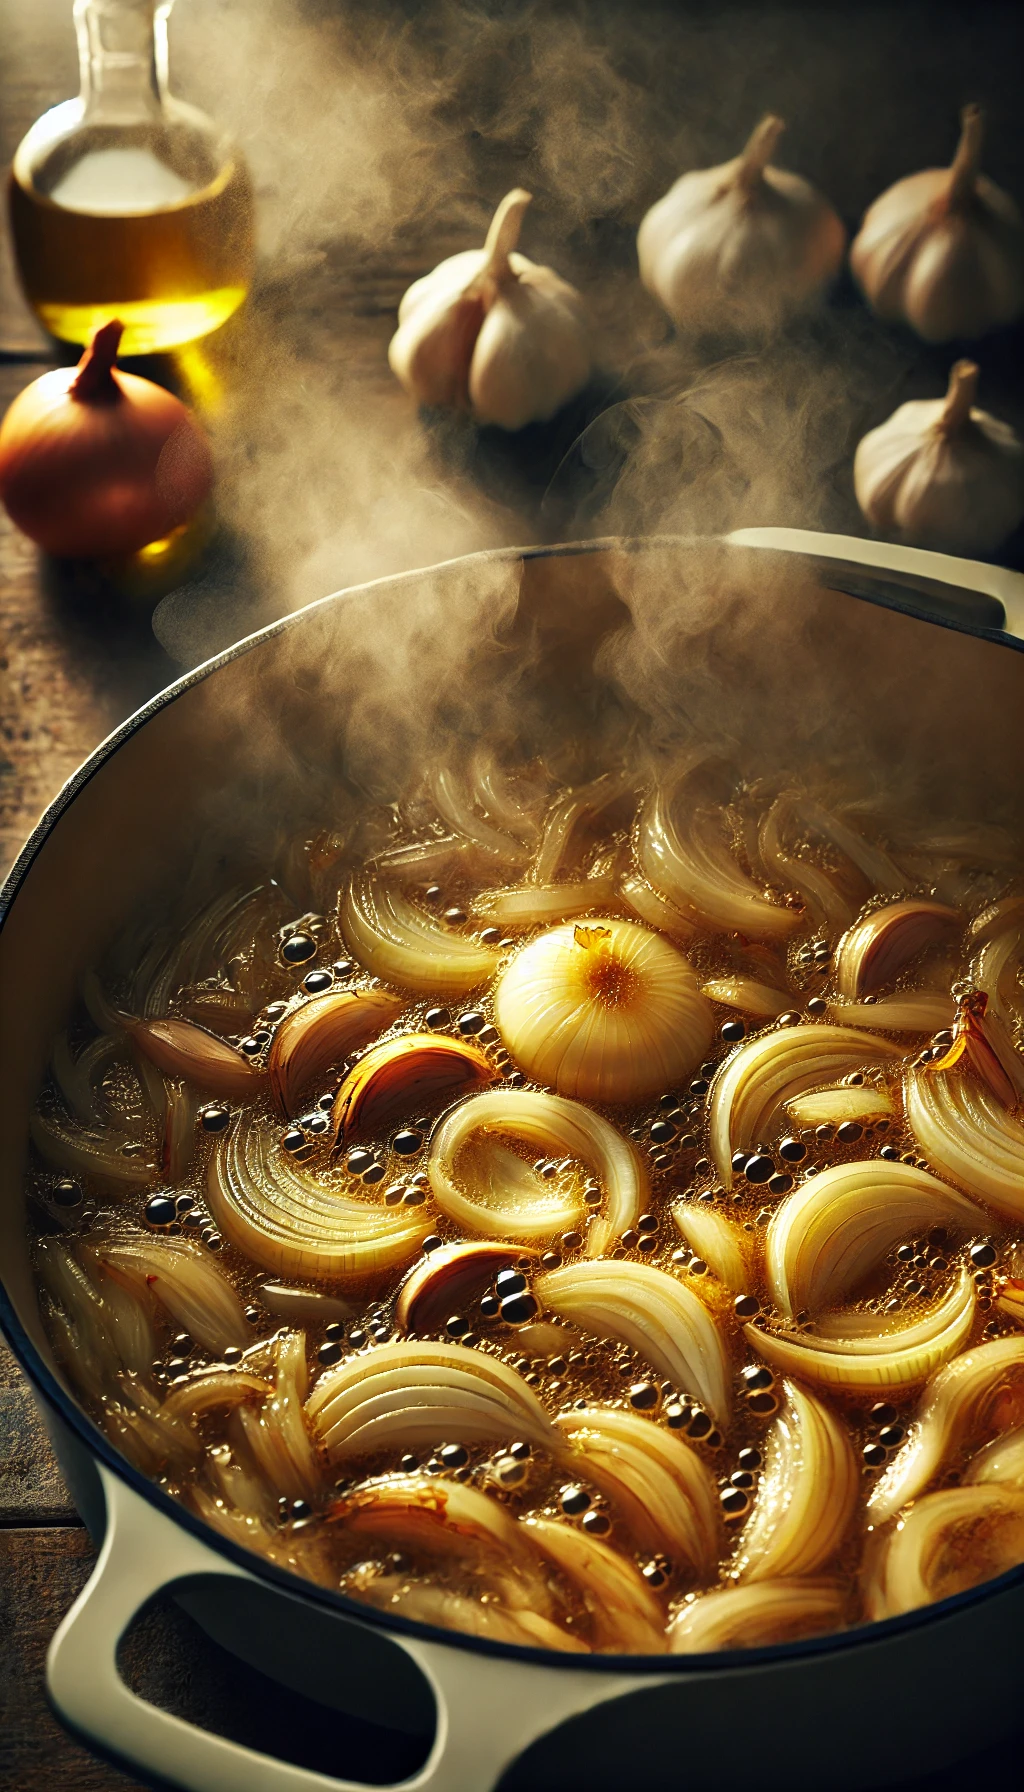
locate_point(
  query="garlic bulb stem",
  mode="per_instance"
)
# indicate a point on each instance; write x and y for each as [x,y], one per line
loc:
[502,238]
[758,151]
[960,395]
[966,164]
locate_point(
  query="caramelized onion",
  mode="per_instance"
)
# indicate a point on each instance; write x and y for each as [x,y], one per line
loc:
[881,945]
[805,1500]
[180,1049]
[962,1399]
[186,1283]
[948,1542]
[402,944]
[828,1235]
[319,1034]
[1002,1461]
[606,1012]
[723,1246]
[756,1615]
[651,1312]
[70,1147]
[425,1603]
[221,1388]
[399,1076]
[766,1072]
[412,1394]
[525,1206]
[748,996]
[297,1223]
[450,1280]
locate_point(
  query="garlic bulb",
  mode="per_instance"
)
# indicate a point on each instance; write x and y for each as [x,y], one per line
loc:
[491,332]
[943,250]
[742,246]
[942,474]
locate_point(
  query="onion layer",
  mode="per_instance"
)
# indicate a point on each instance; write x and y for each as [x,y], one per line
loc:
[624,1614]
[767,1071]
[694,867]
[663,1490]
[537,905]
[401,944]
[808,1490]
[833,1230]
[891,1359]
[297,1223]
[415,1394]
[981,1389]
[651,1312]
[948,1542]
[521,1204]
[754,1616]
[883,943]
[1001,1461]
[606,1012]
[861,1103]
[319,1034]
[725,1247]
[186,1283]
[969,1135]
[915,1011]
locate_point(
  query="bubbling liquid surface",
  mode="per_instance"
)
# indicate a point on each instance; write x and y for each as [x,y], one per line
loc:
[555,1377]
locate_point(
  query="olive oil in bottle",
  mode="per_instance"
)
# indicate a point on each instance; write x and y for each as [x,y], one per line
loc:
[126,202]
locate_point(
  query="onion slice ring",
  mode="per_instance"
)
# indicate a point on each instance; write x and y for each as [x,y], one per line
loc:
[664,1491]
[756,1615]
[808,1490]
[403,945]
[968,1134]
[894,1359]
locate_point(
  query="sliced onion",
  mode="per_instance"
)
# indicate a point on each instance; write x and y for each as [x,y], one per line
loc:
[748,996]
[914,1011]
[724,1247]
[298,1223]
[402,944]
[609,1012]
[1002,1460]
[694,867]
[306,1306]
[276,1433]
[822,898]
[1010,1298]
[766,1072]
[213,1392]
[184,1282]
[547,1123]
[574,812]
[154,1439]
[655,910]
[996,971]
[860,1103]
[106,1155]
[89,1337]
[421,858]
[179,1140]
[180,1049]
[881,945]
[833,1230]
[624,1614]
[76,1078]
[982,1389]
[537,905]
[316,1036]
[417,1071]
[997,920]
[127,1317]
[967,1133]
[455,806]
[874,864]
[805,1500]
[892,1359]
[667,1497]
[425,1603]
[754,1616]
[448,1281]
[948,1542]
[651,1312]
[499,796]
[410,1394]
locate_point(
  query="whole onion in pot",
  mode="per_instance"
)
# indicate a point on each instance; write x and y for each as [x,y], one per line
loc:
[95,462]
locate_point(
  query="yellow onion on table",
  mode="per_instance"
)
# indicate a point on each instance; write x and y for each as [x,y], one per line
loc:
[603,1011]
[96,463]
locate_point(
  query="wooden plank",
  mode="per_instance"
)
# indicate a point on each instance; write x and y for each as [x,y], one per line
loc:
[31,1489]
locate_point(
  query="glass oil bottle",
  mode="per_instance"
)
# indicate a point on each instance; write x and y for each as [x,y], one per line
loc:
[126,202]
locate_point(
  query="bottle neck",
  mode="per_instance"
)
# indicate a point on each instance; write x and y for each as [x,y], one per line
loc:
[122,51]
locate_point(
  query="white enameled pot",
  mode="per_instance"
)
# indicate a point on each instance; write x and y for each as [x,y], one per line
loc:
[261,727]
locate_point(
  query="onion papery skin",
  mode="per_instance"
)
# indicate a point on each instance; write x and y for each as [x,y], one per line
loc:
[608,1012]
[399,943]
[319,1034]
[666,1495]
[396,1389]
[651,1312]
[92,473]
[696,871]
[765,1072]
[881,945]
[807,1494]
[944,1530]
[756,1615]
[624,1614]
[832,1231]
[962,1399]
[897,1359]
[967,1133]
[297,1224]
[548,1123]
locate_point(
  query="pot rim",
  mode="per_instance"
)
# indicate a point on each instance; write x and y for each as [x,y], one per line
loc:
[85,1430]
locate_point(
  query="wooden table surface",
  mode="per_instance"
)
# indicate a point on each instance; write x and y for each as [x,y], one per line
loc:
[372,116]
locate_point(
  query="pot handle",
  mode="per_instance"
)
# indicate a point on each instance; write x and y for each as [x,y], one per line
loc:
[489,1708]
